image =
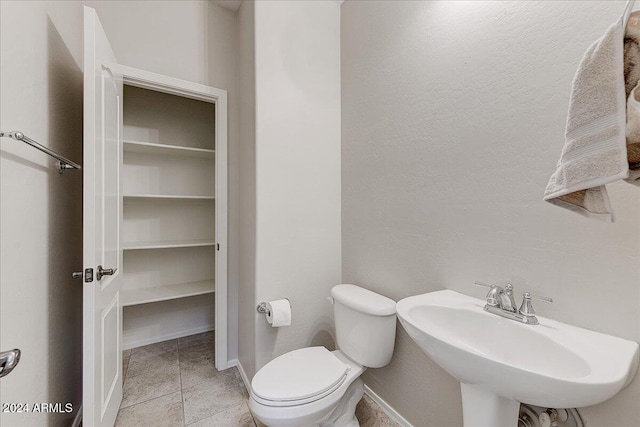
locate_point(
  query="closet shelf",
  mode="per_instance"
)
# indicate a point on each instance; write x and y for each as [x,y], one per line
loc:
[166,292]
[176,150]
[165,197]
[167,244]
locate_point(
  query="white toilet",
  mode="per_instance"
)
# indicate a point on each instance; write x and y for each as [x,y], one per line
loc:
[316,387]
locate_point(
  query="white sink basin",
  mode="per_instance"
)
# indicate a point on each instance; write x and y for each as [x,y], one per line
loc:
[501,362]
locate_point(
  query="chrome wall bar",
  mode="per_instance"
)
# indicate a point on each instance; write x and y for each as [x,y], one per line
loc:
[63,162]
[8,361]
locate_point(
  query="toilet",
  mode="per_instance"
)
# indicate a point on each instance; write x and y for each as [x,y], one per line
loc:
[313,386]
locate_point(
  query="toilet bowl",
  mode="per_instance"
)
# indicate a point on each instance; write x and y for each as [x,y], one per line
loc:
[313,386]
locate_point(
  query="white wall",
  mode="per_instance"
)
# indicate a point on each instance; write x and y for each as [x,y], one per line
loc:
[195,41]
[453,118]
[297,158]
[40,210]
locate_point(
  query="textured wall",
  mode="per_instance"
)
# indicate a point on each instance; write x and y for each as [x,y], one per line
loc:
[41,210]
[297,66]
[453,118]
[247,290]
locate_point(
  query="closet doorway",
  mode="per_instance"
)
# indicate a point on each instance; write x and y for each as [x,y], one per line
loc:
[154,216]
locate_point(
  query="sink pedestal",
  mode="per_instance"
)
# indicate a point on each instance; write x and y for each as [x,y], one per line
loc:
[482,408]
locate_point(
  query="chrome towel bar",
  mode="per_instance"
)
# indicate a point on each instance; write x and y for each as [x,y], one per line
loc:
[63,162]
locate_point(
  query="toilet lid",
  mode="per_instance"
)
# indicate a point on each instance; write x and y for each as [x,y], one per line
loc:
[299,374]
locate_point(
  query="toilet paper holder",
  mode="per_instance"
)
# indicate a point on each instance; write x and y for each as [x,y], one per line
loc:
[262,307]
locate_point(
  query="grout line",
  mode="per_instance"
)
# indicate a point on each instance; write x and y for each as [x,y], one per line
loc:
[125,368]
[148,400]
[178,347]
[146,363]
[184,417]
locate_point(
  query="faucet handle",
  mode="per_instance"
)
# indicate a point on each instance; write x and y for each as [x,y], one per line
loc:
[491,296]
[486,285]
[526,309]
[545,299]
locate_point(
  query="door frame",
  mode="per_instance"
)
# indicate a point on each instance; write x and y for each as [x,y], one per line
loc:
[161,83]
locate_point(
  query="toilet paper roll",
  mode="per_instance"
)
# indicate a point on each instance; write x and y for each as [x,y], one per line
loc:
[279,313]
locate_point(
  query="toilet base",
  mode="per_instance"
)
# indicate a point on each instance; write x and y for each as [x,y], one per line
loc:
[345,413]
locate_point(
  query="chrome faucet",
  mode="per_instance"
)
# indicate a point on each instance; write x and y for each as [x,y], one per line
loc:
[500,301]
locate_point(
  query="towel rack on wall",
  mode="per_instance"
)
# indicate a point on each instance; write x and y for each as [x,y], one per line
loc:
[63,162]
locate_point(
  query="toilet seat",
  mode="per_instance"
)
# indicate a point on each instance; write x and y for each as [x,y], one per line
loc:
[299,377]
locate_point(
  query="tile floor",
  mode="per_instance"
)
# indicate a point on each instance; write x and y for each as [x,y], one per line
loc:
[175,383]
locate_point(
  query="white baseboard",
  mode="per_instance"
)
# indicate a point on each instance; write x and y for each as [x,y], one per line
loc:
[78,418]
[392,413]
[243,374]
[132,342]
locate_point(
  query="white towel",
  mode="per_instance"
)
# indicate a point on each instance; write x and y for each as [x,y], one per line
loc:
[594,153]
[633,136]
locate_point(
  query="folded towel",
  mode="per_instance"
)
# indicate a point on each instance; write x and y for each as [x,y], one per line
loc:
[595,152]
[633,136]
[632,52]
[631,79]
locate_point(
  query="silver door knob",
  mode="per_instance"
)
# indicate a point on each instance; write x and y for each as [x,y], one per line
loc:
[8,361]
[105,272]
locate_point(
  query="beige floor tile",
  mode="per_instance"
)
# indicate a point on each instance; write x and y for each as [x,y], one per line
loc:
[195,373]
[238,416]
[165,411]
[140,363]
[197,352]
[236,372]
[125,362]
[369,414]
[155,349]
[207,399]
[206,337]
[258,423]
[149,385]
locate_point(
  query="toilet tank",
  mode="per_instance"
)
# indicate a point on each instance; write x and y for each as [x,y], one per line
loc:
[365,325]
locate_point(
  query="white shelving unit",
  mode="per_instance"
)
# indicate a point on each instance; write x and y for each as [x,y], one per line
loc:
[169,214]
[167,197]
[159,244]
[165,149]
[167,292]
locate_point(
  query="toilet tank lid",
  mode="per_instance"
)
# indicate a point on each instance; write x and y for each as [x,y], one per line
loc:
[363,300]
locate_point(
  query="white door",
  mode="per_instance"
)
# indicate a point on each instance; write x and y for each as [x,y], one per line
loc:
[102,206]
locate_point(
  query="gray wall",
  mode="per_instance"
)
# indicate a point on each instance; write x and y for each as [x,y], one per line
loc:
[247,291]
[298,242]
[40,210]
[290,174]
[453,118]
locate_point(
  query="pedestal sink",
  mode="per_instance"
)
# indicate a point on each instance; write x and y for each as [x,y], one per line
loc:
[501,362]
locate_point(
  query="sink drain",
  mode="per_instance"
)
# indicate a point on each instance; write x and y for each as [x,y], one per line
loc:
[535,416]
